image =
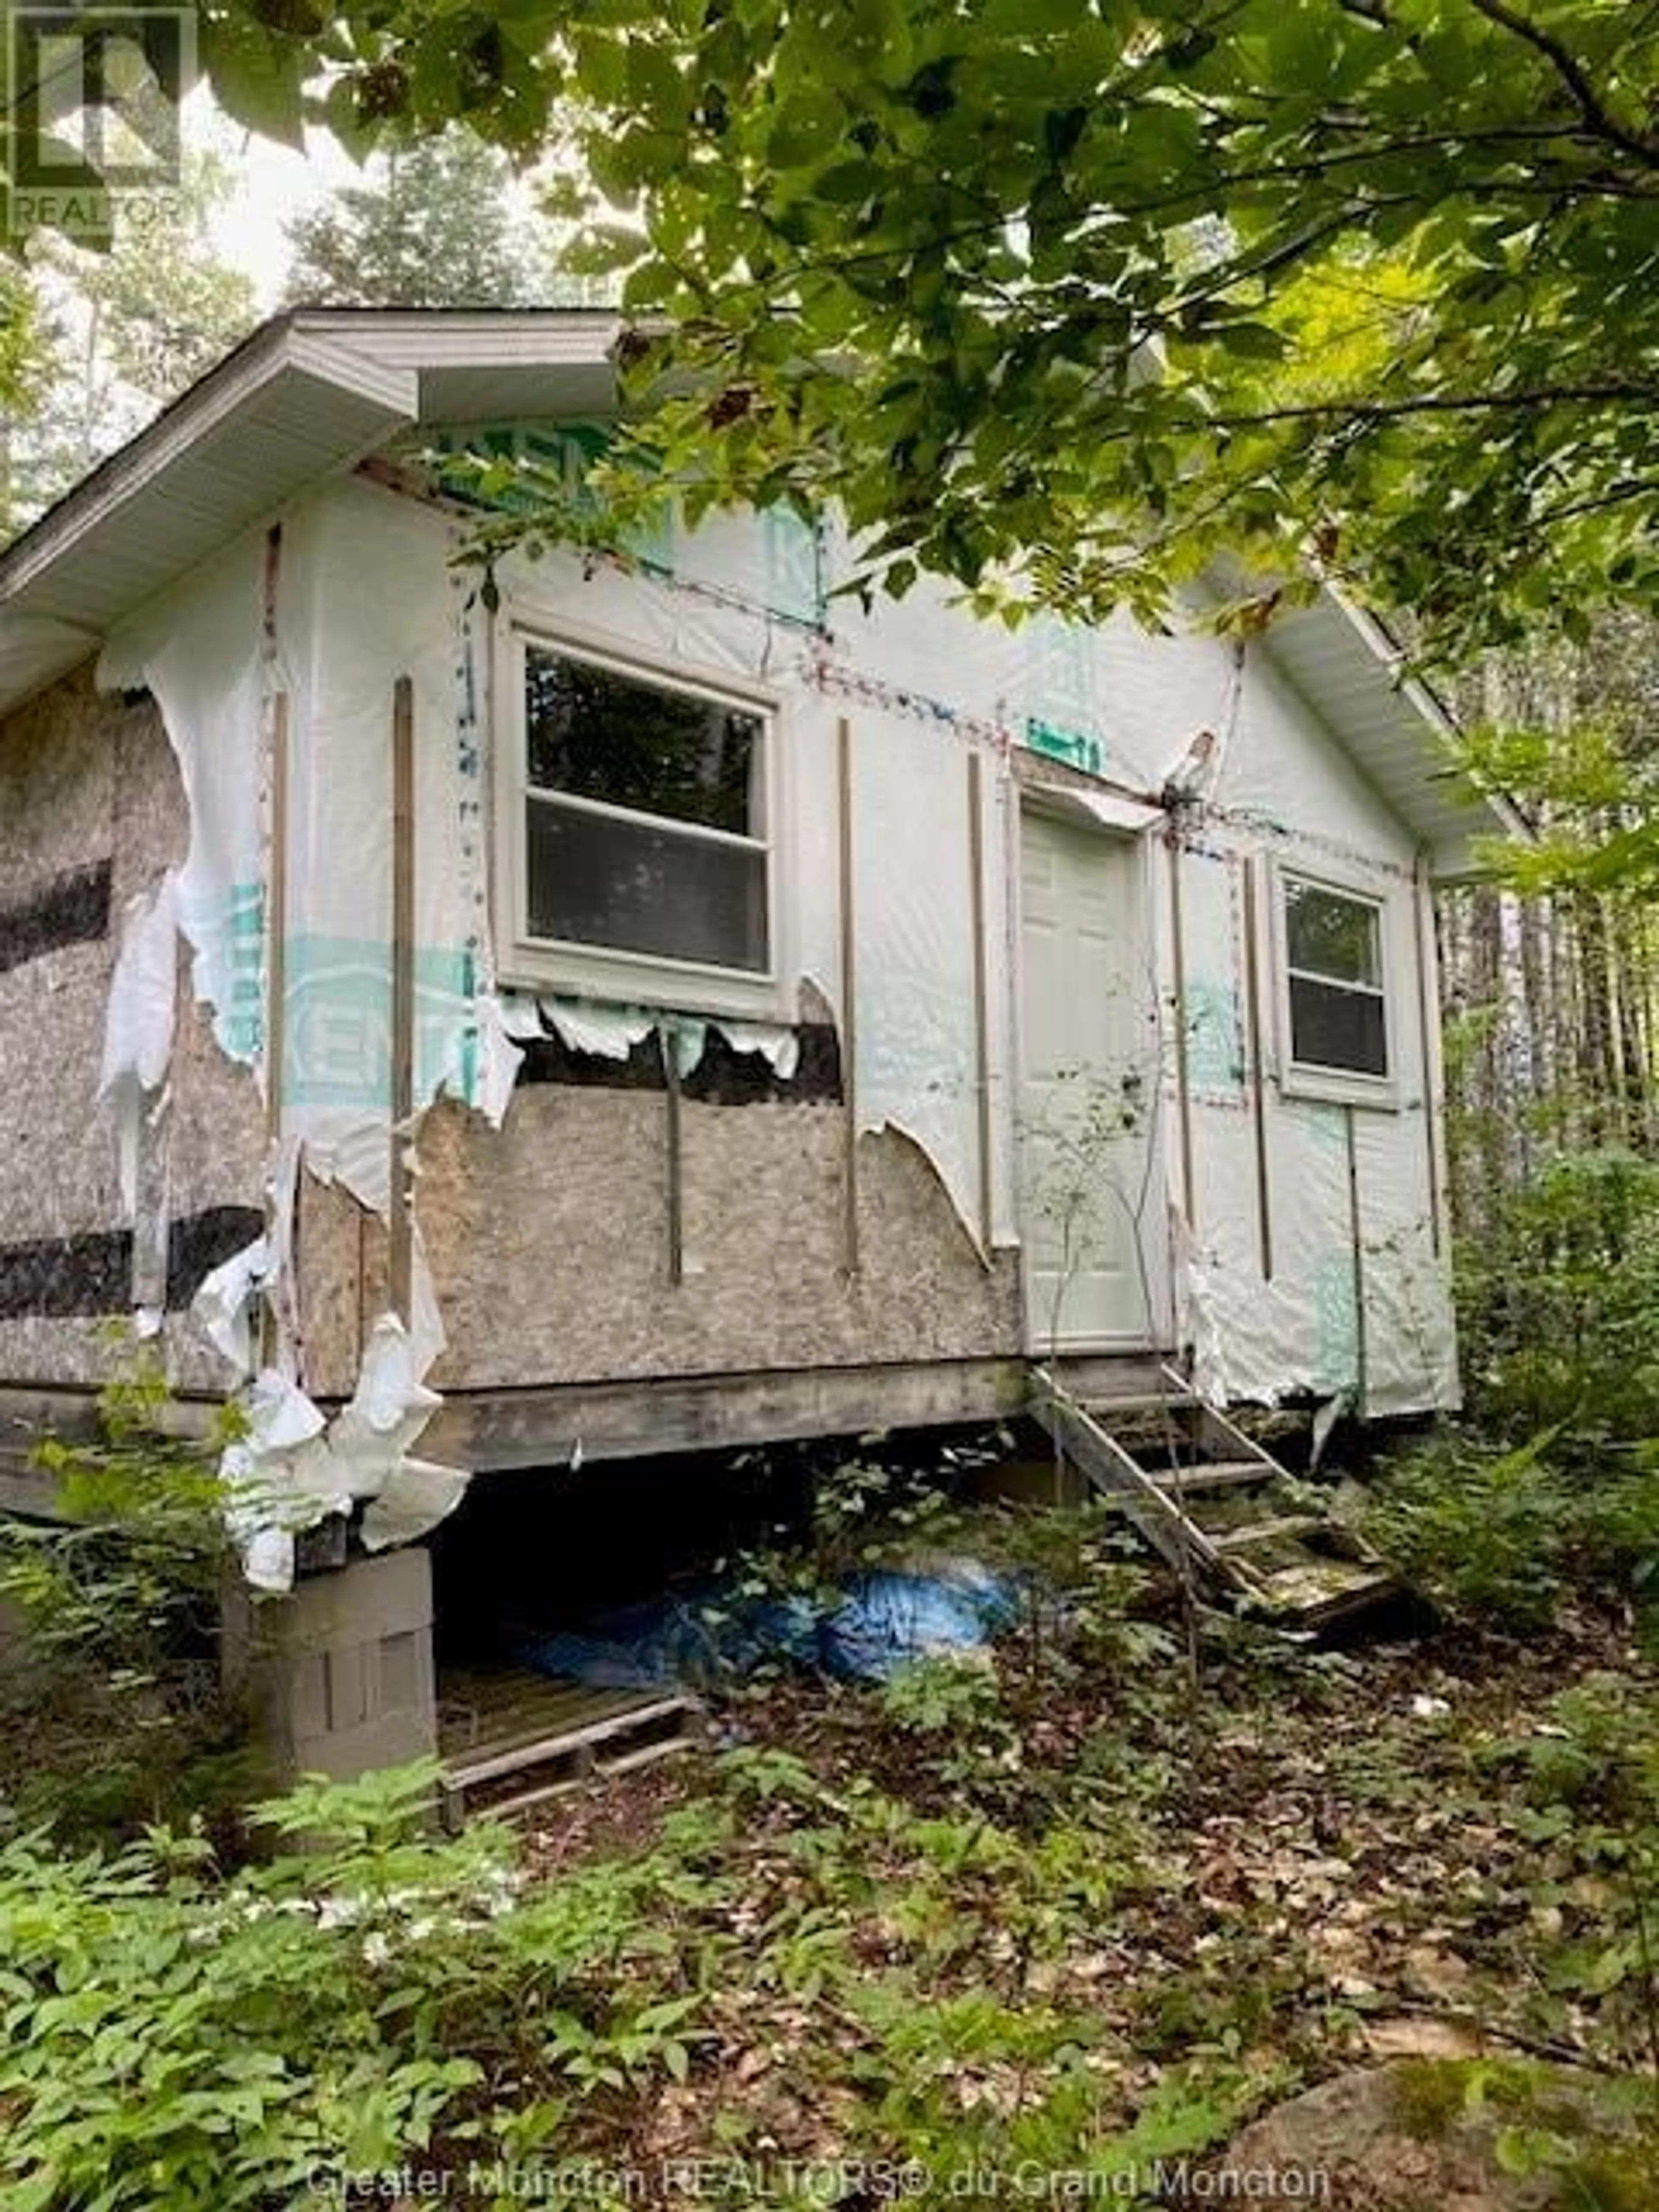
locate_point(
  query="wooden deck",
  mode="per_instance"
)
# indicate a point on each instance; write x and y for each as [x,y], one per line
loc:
[510,1739]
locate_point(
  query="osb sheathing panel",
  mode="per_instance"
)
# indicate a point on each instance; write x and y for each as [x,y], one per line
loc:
[217,1131]
[88,779]
[57,784]
[337,1238]
[53,1352]
[59,779]
[57,1169]
[549,1245]
[215,1150]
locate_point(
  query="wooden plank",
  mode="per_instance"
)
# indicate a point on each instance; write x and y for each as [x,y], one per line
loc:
[1183,1088]
[276,920]
[566,1708]
[634,1419]
[1155,1502]
[1357,1246]
[1257,1078]
[29,1492]
[1429,1039]
[564,1747]
[30,1413]
[1109,1468]
[277,1002]
[548,1793]
[981,999]
[402,1223]
[1213,1474]
[499,1689]
[1105,1379]
[1290,1526]
[1135,1403]
[1218,1432]
[494,1688]
[849,1030]
[667,1048]
[29,1417]
[1327,1590]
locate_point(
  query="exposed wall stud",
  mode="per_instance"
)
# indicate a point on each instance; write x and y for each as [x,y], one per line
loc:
[1429,1035]
[1183,1092]
[402,1223]
[276,920]
[1356,1242]
[668,1047]
[981,1001]
[276,1039]
[1257,1077]
[848,990]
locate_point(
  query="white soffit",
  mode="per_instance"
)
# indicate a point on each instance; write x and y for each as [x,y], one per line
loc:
[313,392]
[305,397]
[1347,670]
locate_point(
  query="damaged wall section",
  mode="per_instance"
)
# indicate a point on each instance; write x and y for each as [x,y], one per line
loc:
[91,817]
[1311,1267]
[813,1164]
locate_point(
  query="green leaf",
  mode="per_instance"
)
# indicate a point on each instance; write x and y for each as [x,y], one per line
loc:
[258,76]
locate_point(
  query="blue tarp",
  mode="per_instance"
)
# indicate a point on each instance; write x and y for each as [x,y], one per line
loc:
[880,1619]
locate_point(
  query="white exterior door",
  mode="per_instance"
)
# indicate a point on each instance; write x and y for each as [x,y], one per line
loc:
[1092,1215]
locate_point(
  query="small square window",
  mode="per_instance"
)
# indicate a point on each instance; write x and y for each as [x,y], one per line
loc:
[642,816]
[1333,964]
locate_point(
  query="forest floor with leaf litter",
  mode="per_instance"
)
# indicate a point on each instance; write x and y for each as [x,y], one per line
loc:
[1081,1912]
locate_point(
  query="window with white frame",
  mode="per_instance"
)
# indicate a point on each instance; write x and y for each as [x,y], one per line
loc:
[1337,1002]
[640,822]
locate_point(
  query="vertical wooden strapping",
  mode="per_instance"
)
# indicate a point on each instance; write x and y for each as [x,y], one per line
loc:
[401,1255]
[1429,1038]
[269,1332]
[1257,1078]
[981,1003]
[276,921]
[1183,1094]
[667,1045]
[849,991]
[1360,1360]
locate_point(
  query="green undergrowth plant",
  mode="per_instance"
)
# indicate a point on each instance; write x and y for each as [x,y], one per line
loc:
[1501,1537]
[1558,1301]
[1073,1589]
[1547,1491]
[1591,2142]
[1586,1782]
[114,1707]
[178,2036]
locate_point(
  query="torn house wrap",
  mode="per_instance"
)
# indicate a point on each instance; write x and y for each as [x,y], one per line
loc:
[367,590]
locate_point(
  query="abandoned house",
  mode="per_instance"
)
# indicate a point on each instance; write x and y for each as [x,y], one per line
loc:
[607,1006]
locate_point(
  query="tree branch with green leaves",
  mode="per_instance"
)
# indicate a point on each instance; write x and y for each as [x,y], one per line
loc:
[1020,284]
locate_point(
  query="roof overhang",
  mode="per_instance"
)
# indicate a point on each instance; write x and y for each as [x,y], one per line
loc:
[313,392]
[1346,667]
[307,396]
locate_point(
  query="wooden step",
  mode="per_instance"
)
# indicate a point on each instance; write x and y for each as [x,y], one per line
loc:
[1211,1474]
[1165,1401]
[1292,1526]
[1326,1590]
[1109,1377]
